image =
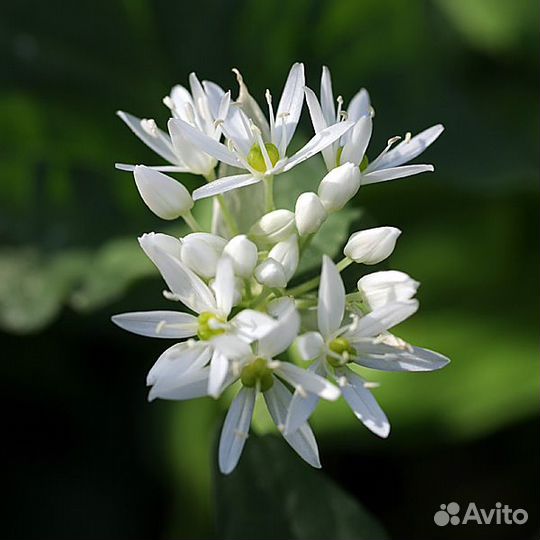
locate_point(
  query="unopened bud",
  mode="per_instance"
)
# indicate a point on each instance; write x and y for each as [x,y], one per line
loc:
[339,186]
[271,273]
[201,252]
[372,245]
[381,288]
[309,213]
[287,254]
[243,253]
[273,227]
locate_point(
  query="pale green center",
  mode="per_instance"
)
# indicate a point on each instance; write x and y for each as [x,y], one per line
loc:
[363,164]
[256,158]
[257,372]
[342,348]
[210,326]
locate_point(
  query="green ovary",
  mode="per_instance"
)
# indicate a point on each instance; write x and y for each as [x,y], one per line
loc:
[363,164]
[256,159]
[257,372]
[210,326]
[341,347]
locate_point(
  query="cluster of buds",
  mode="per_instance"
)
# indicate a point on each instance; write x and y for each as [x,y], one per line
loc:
[245,325]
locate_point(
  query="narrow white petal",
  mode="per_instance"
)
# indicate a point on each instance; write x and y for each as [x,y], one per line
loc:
[381,319]
[302,440]
[219,366]
[331,305]
[395,172]
[153,242]
[232,347]
[320,141]
[386,358]
[359,105]
[235,429]
[411,148]
[160,144]
[190,385]
[301,408]
[290,107]
[160,324]
[306,381]
[177,360]
[310,345]
[215,95]
[358,140]
[252,325]
[319,123]
[162,168]
[190,289]
[224,285]
[327,97]
[222,185]
[363,404]
[203,142]
[282,335]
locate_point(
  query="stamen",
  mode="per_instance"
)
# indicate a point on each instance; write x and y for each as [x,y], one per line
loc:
[149,125]
[408,137]
[369,385]
[218,122]
[339,107]
[301,391]
[241,434]
[262,146]
[170,296]
[283,142]
[168,102]
[159,326]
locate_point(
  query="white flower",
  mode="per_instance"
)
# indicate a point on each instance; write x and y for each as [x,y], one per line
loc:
[287,254]
[199,109]
[363,341]
[259,372]
[339,186]
[255,144]
[381,288]
[243,253]
[353,144]
[371,246]
[215,331]
[165,196]
[271,274]
[309,213]
[201,252]
[273,227]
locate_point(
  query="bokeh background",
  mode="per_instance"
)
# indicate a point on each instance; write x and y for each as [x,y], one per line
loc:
[87,456]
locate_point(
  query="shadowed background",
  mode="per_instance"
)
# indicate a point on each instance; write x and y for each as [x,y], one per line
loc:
[88,457]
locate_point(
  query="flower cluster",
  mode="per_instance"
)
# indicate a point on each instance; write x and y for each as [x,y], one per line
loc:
[245,326]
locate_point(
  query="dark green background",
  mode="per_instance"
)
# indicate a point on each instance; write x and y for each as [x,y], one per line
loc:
[87,456]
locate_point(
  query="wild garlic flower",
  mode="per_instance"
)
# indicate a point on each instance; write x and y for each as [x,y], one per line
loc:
[352,146]
[238,279]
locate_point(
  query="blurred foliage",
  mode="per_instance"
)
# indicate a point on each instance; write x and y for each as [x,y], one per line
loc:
[69,256]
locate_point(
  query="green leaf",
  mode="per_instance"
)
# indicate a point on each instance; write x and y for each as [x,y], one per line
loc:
[273,494]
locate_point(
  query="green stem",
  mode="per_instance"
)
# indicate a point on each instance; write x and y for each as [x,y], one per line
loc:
[305,242]
[314,282]
[262,298]
[228,217]
[269,193]
[191,222]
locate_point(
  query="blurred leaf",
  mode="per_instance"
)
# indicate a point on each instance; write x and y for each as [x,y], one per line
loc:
[273,494]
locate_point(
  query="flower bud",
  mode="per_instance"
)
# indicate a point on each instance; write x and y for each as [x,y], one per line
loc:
[309,213]
[201,252]
[339,186]
[243,253]
[372,245]
[287,254]
[271,273]
[381,288]
[165,196]
[273,227]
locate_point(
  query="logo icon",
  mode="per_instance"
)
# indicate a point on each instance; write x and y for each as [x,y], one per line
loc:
[447,514]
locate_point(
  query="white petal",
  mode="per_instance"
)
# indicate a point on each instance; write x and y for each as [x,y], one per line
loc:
[219,366]
[327,97]
[319,123]
[278,307]
[386,358]
[381,288]
[359,105]
[252,325]
[215,95]
[202,141]
[290,107]
[189,288]
[381,319]
[305,381]
[232,347]
[278,399]
[409,149]
[282,335]
[331,305]
[160,144]
[176,360]
[320,141]
[162,168]
[190,385]
[222,185]
[235,429]
[224,285]
[358,140]
[152,242]
[287,254]
[160,324]
[396,172]
[310,345]
[236,128]
[363,404]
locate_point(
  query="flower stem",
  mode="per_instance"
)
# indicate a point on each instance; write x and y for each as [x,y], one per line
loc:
[191,222]
[314,282]
[228,217]
[269,193]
